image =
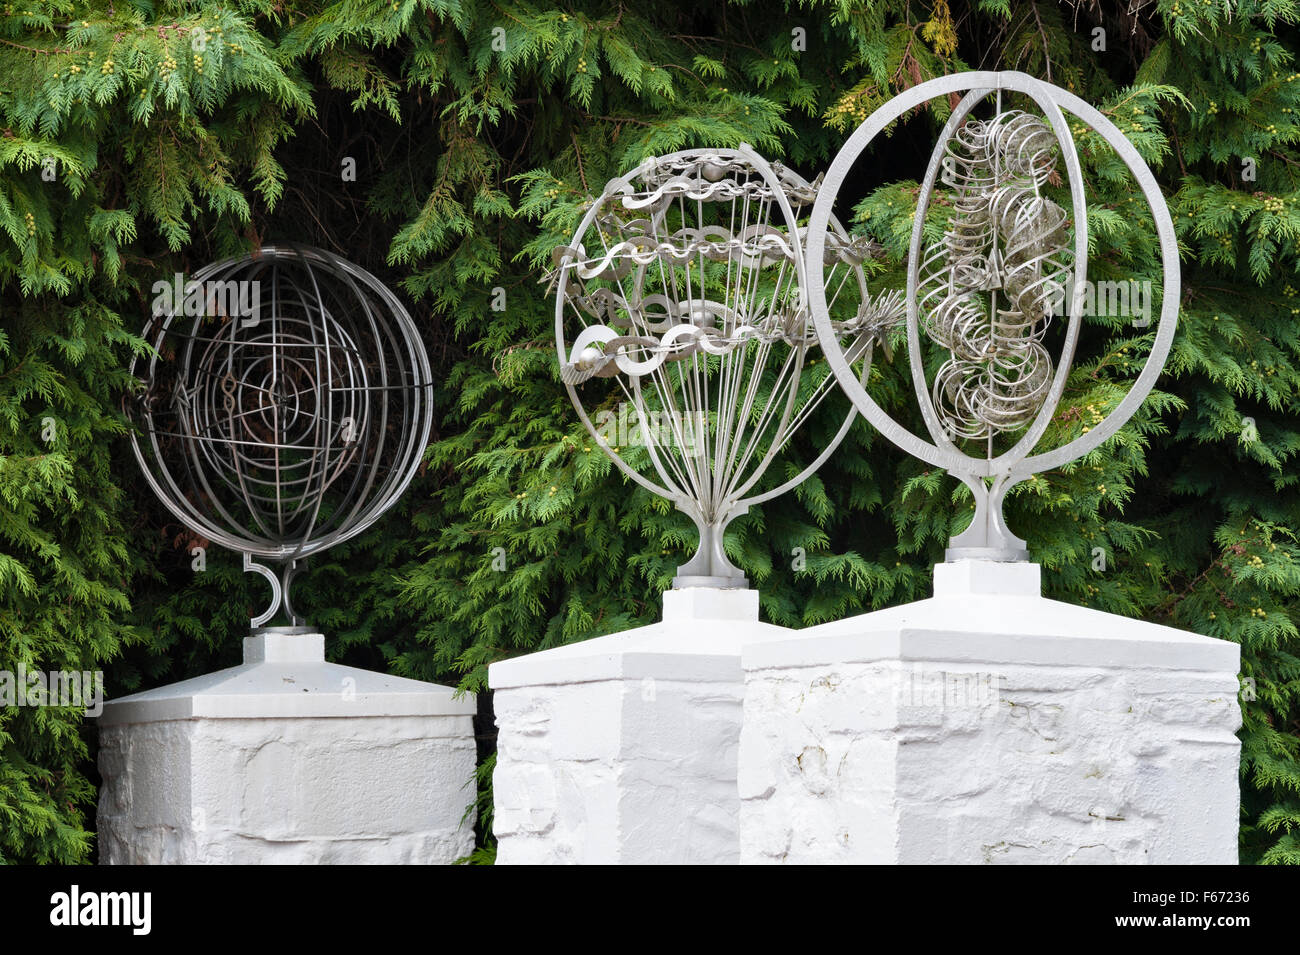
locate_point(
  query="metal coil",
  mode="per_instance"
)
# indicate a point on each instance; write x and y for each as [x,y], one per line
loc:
[988,287]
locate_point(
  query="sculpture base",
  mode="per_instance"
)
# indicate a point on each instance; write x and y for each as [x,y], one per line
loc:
[287,759]
[990,725]
[688,582]
[622,749]
[1013,555]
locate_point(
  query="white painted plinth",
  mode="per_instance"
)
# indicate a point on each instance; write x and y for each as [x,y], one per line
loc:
[287,759]
[990,725]
[622,749]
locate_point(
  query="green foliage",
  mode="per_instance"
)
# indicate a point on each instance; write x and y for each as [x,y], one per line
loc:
[64,562]
[479,130]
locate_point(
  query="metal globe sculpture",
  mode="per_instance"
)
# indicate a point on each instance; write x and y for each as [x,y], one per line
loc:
[1009,262]
[286,406]
[685,288]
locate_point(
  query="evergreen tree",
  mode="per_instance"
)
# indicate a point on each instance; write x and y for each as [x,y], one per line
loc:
[177,132]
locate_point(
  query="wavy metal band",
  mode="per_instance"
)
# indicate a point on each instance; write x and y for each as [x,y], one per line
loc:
[601,352]
[692,304]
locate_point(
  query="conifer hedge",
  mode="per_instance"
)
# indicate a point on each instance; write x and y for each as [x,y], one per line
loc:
[146,138]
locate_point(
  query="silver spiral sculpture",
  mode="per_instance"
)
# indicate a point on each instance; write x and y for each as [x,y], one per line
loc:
[1006,243]
[685,289]
[1010,259]
[285,407]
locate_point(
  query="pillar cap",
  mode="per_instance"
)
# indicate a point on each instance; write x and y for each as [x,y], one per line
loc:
[699,640]
[964,578]
[284,675]
[711,603]
[284,645]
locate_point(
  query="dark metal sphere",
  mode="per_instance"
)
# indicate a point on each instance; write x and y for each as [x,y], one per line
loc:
[288,403]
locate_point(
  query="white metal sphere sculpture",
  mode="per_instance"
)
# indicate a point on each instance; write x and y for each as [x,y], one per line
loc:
[1009,261]
[286,406]
[686,286]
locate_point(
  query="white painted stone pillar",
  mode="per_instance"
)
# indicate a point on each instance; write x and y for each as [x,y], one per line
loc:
[287,759]
[622,749]
[990,725]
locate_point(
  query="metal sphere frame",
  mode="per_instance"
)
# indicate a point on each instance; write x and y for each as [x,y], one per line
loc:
[285,432]
[696,331]
[988,536]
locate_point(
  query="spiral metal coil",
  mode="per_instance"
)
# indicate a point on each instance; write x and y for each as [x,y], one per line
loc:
[1004,237]
[289,423]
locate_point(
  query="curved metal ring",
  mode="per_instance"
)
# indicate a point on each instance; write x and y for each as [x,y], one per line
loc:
[1018,463]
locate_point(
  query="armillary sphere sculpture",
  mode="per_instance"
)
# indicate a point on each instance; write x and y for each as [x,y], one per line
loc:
[286,406]
[1010,259]
[686,288]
